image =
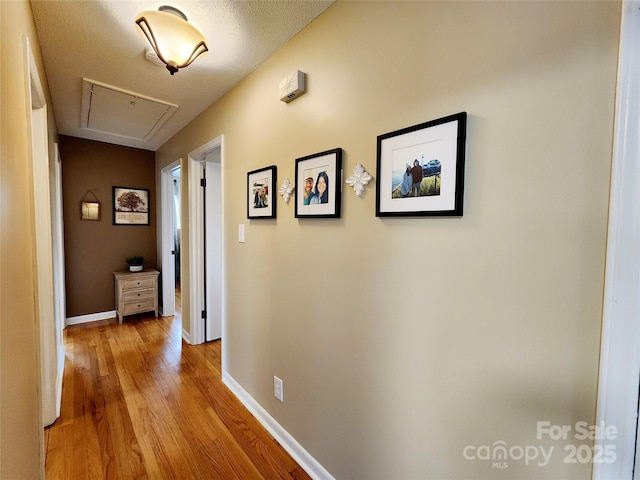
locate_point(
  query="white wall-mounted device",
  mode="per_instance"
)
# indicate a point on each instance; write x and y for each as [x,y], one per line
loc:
[292,87]
[278,388]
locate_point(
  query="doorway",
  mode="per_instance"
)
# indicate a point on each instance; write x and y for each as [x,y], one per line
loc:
[206,244]
[47,236]
[177,238]
[170,258]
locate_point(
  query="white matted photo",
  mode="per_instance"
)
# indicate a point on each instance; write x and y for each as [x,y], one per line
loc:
[421,169]
[319,185]
[260,187]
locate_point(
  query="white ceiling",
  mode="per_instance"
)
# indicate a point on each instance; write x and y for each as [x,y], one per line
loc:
[98,40]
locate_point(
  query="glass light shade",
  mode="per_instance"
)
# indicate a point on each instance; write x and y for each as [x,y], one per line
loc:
[176,42]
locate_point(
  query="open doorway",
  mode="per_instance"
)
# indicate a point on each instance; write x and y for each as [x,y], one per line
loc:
[170,261]
[176,236]
[206,260]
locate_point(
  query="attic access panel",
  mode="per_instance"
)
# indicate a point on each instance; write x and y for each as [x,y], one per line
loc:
[111,110]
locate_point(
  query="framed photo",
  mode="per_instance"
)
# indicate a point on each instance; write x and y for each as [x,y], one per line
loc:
[260,187]
[319,185]
[89,210]
[130,206]
[421,169]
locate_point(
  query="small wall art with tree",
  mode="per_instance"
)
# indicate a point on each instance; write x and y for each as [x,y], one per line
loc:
[130,206]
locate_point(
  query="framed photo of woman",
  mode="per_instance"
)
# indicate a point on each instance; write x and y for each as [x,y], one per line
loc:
[319,185]
[260,186]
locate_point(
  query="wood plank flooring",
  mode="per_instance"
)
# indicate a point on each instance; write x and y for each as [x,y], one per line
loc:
[138,403]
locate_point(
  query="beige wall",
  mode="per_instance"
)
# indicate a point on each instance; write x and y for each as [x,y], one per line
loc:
[96,249]
[21,434]
[401,341]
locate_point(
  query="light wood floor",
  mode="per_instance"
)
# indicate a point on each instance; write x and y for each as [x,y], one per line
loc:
[138,403]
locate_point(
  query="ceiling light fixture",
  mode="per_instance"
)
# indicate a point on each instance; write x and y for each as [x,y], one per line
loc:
[176,42]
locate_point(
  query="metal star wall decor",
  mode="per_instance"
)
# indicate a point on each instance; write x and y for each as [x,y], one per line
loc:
[359,179]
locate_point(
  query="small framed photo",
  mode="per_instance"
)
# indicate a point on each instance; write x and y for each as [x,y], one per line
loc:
[130,206]
[421,169]
[260,187]
[89,210]
[319,185]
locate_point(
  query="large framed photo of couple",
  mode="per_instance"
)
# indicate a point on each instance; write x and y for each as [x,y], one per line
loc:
[319,185]
[260,187]
[421,169]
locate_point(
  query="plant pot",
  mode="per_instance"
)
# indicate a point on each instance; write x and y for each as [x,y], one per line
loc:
[135,268]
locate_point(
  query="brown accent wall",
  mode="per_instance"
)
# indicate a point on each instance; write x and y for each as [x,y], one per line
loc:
[95,249]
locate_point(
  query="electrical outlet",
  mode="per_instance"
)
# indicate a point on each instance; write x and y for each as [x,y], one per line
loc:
[278,388]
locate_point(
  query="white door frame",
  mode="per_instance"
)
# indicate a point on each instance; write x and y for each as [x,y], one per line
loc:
[167,260]
[196,243]
[620,343]
[51,355]
[59,271]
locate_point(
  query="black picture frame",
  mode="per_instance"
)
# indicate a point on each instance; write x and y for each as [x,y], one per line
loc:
[261,185]
[131,206]
[437,147]
[324,167]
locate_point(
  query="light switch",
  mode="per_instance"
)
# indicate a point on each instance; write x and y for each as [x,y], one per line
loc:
[241,233]
[278,388]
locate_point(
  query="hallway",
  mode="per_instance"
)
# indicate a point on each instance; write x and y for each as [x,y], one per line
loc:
[137,402]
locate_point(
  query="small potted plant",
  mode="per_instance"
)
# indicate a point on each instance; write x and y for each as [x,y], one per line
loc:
[135,263]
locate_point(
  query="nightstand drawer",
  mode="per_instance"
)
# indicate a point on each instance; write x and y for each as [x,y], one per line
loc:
[131,307]
[140,294]
[130,284]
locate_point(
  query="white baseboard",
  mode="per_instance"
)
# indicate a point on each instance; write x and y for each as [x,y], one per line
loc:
[186,337]
[59,377]
[297,452]
[92,317]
